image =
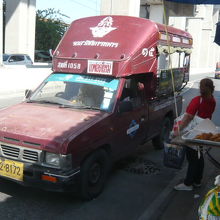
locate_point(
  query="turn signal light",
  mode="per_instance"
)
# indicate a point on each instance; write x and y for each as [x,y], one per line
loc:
[49,178]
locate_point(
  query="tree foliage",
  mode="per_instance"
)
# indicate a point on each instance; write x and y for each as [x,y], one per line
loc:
[49,29]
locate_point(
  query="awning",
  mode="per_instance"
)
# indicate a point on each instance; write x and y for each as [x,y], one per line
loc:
[217,34]
[196,2]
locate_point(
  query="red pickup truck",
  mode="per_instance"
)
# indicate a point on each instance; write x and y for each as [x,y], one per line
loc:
[111,89]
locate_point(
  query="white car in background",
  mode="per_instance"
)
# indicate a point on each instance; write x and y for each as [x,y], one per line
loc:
[17,59]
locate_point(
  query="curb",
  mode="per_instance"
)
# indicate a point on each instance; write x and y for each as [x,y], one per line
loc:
[152,211]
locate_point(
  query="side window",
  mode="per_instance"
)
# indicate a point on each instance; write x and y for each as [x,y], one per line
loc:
[12,59]
[134,90]
[17,58]
[163,61]
[175,58]
[126,93]
[182,57]
[20,58]
[186,60]
[28,58]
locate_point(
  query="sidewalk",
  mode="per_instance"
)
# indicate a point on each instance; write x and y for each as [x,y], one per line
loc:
[182,205]
[16,79]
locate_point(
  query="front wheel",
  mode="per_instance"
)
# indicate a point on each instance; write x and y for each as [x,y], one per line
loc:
[158,141]
[93,174]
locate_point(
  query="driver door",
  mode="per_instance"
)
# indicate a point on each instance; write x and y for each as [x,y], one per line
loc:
[130,125]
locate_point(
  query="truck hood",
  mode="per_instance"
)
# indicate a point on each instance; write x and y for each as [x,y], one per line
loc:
[45,126]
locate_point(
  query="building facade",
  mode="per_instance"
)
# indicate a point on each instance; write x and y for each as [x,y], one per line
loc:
[202,27]
[20,27]
[199,20]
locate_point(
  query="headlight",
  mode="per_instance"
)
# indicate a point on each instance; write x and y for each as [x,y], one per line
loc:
[58,160]
[52,159]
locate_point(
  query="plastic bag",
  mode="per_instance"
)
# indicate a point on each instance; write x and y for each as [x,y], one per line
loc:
[210,207]
[174,155]
[196,120]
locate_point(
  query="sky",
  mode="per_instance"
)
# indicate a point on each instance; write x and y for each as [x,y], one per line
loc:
[74,9]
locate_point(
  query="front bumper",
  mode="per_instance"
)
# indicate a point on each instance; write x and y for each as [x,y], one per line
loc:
[66,181]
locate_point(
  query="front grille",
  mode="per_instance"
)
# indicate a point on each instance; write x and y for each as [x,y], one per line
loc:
[20,153]
[30,155]
[10,151]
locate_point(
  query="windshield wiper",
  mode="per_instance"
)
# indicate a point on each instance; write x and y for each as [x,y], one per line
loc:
[79,107]
[90,107]
[67,106]
[43,101]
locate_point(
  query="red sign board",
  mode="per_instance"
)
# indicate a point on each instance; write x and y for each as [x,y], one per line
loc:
[100,67]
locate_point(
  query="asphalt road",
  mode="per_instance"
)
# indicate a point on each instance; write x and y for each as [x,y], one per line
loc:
[136,188]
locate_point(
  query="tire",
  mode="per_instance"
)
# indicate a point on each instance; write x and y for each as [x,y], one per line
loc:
[158,141]
[94,172]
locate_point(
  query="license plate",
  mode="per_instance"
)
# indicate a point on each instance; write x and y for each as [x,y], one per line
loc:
[11,169]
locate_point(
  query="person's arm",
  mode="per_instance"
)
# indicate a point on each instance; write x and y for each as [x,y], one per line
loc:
[187,118]
[191,111]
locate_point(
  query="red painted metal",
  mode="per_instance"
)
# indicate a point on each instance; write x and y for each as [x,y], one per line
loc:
[129,42]
[46,125]
[114,46]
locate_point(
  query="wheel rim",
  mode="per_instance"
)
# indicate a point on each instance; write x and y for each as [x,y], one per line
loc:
[94,173]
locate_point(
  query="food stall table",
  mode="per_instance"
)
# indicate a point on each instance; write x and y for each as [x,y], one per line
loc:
[206,144]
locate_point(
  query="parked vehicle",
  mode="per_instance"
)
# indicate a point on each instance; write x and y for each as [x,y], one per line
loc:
[42,56]
[217,71]
[109,91]
[17,59]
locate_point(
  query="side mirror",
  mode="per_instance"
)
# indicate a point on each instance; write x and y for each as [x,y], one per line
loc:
[11,60]
[28,93]
[125,106]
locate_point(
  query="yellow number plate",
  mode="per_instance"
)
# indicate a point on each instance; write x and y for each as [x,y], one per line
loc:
[11,169]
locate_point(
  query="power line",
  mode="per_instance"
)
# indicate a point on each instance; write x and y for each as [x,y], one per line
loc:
[94,9]
[94,1]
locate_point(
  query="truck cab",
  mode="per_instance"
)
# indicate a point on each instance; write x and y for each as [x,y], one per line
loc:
[111,89]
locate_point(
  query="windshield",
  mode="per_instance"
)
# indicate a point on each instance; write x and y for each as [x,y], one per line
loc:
[5,57]
[77,91]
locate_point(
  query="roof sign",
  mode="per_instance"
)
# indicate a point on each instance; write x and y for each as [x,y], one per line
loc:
[104,27]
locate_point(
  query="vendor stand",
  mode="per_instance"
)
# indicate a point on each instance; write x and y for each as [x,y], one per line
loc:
[196,138]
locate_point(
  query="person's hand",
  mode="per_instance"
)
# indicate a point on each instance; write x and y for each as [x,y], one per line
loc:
[175,133]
